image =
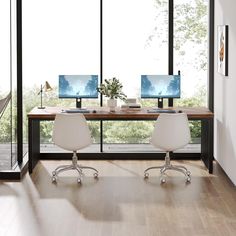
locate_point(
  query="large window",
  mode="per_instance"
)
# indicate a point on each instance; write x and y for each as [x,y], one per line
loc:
[60,37]
[134,36]
[135,39]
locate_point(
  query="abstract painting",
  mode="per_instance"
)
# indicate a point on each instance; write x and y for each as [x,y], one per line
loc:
[222,49]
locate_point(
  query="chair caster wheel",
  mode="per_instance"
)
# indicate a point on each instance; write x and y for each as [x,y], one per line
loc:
[54,179]
[95,175]
[163,180]
[79,181]
[188,173]
[54,173]
[146,175]
[188,179]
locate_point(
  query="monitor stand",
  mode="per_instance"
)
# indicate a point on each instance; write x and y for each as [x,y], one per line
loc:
[160,102]
[170,102]
[78,102]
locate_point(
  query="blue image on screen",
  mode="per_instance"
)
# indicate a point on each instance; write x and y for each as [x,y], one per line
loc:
[160,86]
[78,86]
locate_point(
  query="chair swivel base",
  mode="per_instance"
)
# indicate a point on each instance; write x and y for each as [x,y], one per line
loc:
[168,166]
[73,166]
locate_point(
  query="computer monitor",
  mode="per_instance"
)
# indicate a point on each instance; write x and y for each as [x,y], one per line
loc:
[160,86]
[78,87]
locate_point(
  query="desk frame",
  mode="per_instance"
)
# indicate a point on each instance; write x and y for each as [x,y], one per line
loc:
[206,139]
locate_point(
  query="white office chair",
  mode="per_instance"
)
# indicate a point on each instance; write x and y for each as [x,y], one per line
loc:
[171,132]
[71,133]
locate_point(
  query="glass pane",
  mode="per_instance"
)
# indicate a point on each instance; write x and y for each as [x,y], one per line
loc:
[65,41]
[5,47]
[5,87]
[5,139]
[125,136]
[191,55]
[135,38]
[135,41]
[191,51]
[14,81]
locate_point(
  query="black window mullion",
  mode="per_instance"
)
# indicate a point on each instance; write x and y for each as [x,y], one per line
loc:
[101,47]
[101,70]
[211,56]
[19,83]
[171,37]
[170,43]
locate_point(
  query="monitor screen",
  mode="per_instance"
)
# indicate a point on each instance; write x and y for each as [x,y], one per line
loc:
[78,86]
[160,86]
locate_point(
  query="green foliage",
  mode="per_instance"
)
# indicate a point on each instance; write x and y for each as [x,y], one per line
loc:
[46,131]
[189,20]
[94,127]
[195,129]
[8,121]
[127,131]
[113,131]
[197,100]
[112,88]
[5,126]
[190,26]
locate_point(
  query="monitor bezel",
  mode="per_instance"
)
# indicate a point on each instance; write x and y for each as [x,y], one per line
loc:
[156,97]
[77,97]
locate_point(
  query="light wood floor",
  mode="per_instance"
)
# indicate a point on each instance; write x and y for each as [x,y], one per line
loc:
[119,203]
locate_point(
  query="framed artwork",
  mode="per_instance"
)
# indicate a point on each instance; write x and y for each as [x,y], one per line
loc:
[222,49]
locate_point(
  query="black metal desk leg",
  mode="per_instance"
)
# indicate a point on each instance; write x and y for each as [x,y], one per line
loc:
[34,143]
[207,144]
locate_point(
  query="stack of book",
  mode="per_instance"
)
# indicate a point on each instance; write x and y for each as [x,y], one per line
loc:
[131,106]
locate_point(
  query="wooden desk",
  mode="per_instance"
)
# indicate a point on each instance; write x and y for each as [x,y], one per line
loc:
[37,115]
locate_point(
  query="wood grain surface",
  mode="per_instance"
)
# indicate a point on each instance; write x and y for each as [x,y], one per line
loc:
[103,113]
[119,203]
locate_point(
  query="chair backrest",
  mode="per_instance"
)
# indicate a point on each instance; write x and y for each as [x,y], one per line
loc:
[171,131]
[71,131]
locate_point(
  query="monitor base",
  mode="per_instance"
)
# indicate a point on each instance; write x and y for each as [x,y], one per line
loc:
[78,102]
[170,102]
[160,103]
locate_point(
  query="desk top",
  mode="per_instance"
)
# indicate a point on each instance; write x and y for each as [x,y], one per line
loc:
[102,113]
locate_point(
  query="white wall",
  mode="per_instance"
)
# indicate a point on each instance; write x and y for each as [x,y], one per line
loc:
[225,93]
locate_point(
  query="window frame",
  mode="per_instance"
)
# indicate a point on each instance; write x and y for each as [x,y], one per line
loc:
[20,159]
